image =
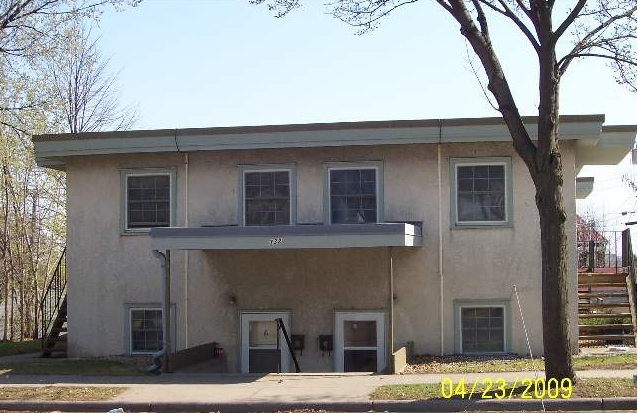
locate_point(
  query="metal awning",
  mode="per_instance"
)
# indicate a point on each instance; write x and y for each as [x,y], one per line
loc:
[388,234]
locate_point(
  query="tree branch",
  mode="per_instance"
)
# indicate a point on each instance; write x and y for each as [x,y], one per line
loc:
[507,12]
[568,20]
[497,83]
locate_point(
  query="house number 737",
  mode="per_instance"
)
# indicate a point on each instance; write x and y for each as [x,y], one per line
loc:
[275,241]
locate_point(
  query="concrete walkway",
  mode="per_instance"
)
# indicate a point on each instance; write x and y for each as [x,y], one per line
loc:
[270,388]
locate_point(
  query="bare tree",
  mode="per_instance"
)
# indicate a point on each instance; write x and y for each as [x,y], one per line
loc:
[602,29]
[86,90]
[28,27]
[52,79]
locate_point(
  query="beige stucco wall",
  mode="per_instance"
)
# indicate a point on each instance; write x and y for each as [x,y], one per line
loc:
[108,270]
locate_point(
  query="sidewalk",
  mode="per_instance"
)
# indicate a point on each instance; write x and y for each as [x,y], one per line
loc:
[347,392]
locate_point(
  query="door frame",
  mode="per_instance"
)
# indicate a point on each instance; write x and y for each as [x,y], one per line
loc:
[247,316]
[379,316]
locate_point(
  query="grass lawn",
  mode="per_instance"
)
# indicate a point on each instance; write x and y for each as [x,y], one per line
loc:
[429,364]
[10,348]
[64,366]
[603,387]
[60,393]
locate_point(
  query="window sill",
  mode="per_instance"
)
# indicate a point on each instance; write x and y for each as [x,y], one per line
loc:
[485,225]
[486,353]
[143,353]
[128,232]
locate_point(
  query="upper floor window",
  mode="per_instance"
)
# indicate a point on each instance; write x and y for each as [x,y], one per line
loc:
[148,199]
[268,195]
[481,191]
[354,190]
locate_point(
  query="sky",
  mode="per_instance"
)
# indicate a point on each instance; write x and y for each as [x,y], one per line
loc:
[201,63]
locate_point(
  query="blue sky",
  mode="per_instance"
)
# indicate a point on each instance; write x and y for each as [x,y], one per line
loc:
[191,63]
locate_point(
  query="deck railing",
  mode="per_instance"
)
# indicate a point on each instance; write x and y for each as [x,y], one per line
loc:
[600,250]
[53,296]
[629,262]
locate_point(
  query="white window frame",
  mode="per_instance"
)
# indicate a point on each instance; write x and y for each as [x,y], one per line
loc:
[337,166]
[130,333]
[130,307]
[506,328]
[455,163]
[125,174]
[292,187]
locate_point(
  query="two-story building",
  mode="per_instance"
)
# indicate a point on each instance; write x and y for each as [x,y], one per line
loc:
[360,236]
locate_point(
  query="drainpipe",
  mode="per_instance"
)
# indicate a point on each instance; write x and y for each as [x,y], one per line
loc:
[164,352]
[187,252]
[391,317]
[438,161]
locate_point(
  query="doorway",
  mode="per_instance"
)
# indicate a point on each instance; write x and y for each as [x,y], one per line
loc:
[259,353]
[360,341]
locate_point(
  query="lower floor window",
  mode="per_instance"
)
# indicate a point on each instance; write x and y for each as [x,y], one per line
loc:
[146,330]
[482,329]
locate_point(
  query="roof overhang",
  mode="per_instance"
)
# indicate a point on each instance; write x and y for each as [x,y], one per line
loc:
[287,237]
[53,150]
[609,148]
[584,186]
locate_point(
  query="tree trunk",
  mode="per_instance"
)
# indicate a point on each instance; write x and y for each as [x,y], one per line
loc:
[6,304]
[547,174]
[549,200]
[11,319]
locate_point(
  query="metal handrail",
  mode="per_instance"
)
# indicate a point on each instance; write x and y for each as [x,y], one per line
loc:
[53,296]
[600,250]
[282,327]
[629,262]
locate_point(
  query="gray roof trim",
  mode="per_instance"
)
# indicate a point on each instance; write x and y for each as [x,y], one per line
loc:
[622,136]
[51,147]
[301,127]
[584,186]
[287,236]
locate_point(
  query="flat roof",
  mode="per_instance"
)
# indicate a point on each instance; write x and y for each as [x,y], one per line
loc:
[386,234]
[599,144]
[304,127]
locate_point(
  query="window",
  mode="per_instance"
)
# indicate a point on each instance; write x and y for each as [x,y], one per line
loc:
[146,329]
[481,191]
[148,199]
[354,194]
[482,330]
[482,326]
[268,195]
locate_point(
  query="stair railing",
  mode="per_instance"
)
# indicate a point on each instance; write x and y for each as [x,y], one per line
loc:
[600,250]
[281,327]
[53,296]
[629,262]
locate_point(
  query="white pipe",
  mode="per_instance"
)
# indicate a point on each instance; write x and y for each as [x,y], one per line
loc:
[165,291]
[438,159]
[187,252]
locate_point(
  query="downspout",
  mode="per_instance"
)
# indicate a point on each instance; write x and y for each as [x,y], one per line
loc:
[187,252]
[391,316]
[438,162]
[165,262]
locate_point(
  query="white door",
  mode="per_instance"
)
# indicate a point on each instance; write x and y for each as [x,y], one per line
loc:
[360,341]
[259,352]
